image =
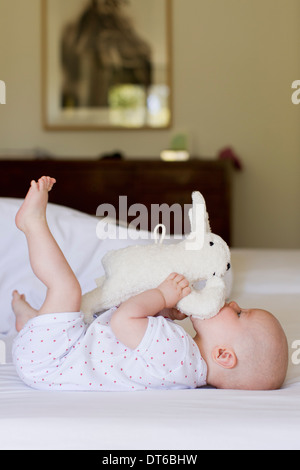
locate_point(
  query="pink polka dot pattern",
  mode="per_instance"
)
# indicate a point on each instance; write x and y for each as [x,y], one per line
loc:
[58,352]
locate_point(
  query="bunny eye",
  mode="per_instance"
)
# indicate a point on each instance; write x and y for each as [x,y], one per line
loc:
[211,243]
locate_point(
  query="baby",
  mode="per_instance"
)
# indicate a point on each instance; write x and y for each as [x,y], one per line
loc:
[136,346]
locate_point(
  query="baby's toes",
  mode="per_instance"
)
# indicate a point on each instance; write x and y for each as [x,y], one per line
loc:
[15,294]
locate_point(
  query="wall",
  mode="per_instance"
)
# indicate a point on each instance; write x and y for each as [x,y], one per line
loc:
[234,63]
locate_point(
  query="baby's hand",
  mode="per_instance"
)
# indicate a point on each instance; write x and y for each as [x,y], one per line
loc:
[174,288]
[173,314]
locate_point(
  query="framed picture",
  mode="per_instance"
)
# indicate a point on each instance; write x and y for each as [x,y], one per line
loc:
[107,64]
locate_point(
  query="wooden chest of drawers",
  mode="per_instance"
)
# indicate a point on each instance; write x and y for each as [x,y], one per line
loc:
[85,184]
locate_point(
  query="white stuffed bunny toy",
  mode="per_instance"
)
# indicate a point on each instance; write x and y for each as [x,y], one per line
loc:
[202,256]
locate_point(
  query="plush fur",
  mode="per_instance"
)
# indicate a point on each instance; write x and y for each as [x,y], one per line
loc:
[202,256]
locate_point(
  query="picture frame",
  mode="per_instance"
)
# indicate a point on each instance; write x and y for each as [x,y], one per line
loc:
[107,64]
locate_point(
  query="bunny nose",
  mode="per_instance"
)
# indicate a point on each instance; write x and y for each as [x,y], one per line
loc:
[228,266]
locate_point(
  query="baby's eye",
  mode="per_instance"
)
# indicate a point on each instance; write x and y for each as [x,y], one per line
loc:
[239,314]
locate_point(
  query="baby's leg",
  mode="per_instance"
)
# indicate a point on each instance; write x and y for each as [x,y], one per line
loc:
[47,260]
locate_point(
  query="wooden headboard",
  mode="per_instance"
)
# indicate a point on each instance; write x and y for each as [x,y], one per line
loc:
[85,184]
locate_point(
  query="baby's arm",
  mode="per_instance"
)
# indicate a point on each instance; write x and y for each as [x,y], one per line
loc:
[129,322]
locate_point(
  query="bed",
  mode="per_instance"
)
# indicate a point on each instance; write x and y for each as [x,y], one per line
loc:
[189,420]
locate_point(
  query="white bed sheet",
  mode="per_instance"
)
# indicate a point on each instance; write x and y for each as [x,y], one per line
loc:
[188,419]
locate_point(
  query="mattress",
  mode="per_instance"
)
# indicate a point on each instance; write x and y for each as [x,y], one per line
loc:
[190,420]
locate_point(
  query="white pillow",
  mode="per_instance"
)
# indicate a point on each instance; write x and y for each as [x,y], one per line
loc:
[262,271]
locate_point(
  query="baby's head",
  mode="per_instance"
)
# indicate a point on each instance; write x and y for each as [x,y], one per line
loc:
[244,349]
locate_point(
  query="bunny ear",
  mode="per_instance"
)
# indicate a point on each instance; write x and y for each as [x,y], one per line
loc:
[191,219]
[195,240]
[195,213]
[199,222]
[208,228]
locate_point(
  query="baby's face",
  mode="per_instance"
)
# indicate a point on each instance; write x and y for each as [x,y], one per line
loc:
[234,319]
[252,335]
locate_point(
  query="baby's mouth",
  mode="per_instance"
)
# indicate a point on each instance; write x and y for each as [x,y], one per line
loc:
[224,306]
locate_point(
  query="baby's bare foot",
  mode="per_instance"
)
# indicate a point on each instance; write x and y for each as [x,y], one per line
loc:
[35,204]
[22,310]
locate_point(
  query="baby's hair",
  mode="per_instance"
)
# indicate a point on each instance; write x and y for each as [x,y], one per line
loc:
[262,358]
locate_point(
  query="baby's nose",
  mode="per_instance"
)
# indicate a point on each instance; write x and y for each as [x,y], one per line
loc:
[234,306]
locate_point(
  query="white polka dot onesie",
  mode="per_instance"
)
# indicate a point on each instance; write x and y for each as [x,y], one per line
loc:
[59,352]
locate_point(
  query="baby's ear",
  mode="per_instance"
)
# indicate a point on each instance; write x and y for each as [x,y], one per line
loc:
[224,357]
